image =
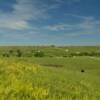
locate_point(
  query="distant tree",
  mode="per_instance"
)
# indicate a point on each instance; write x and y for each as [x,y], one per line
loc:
[19,53]
[53,46]
[10,51]
[65,55]
[5,55]
[39,54]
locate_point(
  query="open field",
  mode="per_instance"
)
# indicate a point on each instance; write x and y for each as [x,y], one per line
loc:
[50,78]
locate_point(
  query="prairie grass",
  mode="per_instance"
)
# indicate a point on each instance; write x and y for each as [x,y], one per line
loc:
[26,79]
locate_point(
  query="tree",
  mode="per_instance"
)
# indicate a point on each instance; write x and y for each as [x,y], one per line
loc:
[10,51]
[5,55]
[39,54]
[19,53]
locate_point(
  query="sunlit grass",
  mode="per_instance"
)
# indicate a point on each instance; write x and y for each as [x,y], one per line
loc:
[26,80]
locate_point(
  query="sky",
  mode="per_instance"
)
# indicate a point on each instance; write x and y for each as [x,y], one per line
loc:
[49,22]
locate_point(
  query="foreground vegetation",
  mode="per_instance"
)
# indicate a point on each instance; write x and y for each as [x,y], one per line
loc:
[50,78]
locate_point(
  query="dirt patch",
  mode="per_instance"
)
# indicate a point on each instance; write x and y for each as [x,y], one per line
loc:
[52,65]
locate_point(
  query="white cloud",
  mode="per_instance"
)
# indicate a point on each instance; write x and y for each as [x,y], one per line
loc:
[23,11]
[68,1]
[58,27]
[14,20]
[80,16]
[87,25]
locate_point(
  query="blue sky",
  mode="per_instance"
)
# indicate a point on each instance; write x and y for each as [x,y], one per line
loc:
[43,22]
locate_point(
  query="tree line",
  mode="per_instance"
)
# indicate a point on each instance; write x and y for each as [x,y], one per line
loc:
[20,53]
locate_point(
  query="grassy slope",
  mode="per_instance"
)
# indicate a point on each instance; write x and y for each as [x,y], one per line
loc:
[50,83]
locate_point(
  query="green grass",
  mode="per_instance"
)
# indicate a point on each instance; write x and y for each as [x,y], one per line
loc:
[27,78]
[49,50]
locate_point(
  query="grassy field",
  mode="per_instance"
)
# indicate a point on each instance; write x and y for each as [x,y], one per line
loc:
[50,78]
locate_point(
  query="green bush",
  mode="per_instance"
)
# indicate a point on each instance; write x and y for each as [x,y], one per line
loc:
[39,54]
[19,53]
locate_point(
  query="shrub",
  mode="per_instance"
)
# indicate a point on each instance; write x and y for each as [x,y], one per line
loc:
[5,55]
[82,70]
[10,51]
[39,54]
[19,53]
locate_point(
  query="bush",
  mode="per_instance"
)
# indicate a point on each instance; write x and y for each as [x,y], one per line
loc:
[5,55]
[10,51]
[19,53]
[82,70]
[39,54]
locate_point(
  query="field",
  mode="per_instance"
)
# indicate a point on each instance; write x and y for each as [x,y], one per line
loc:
[50,78]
